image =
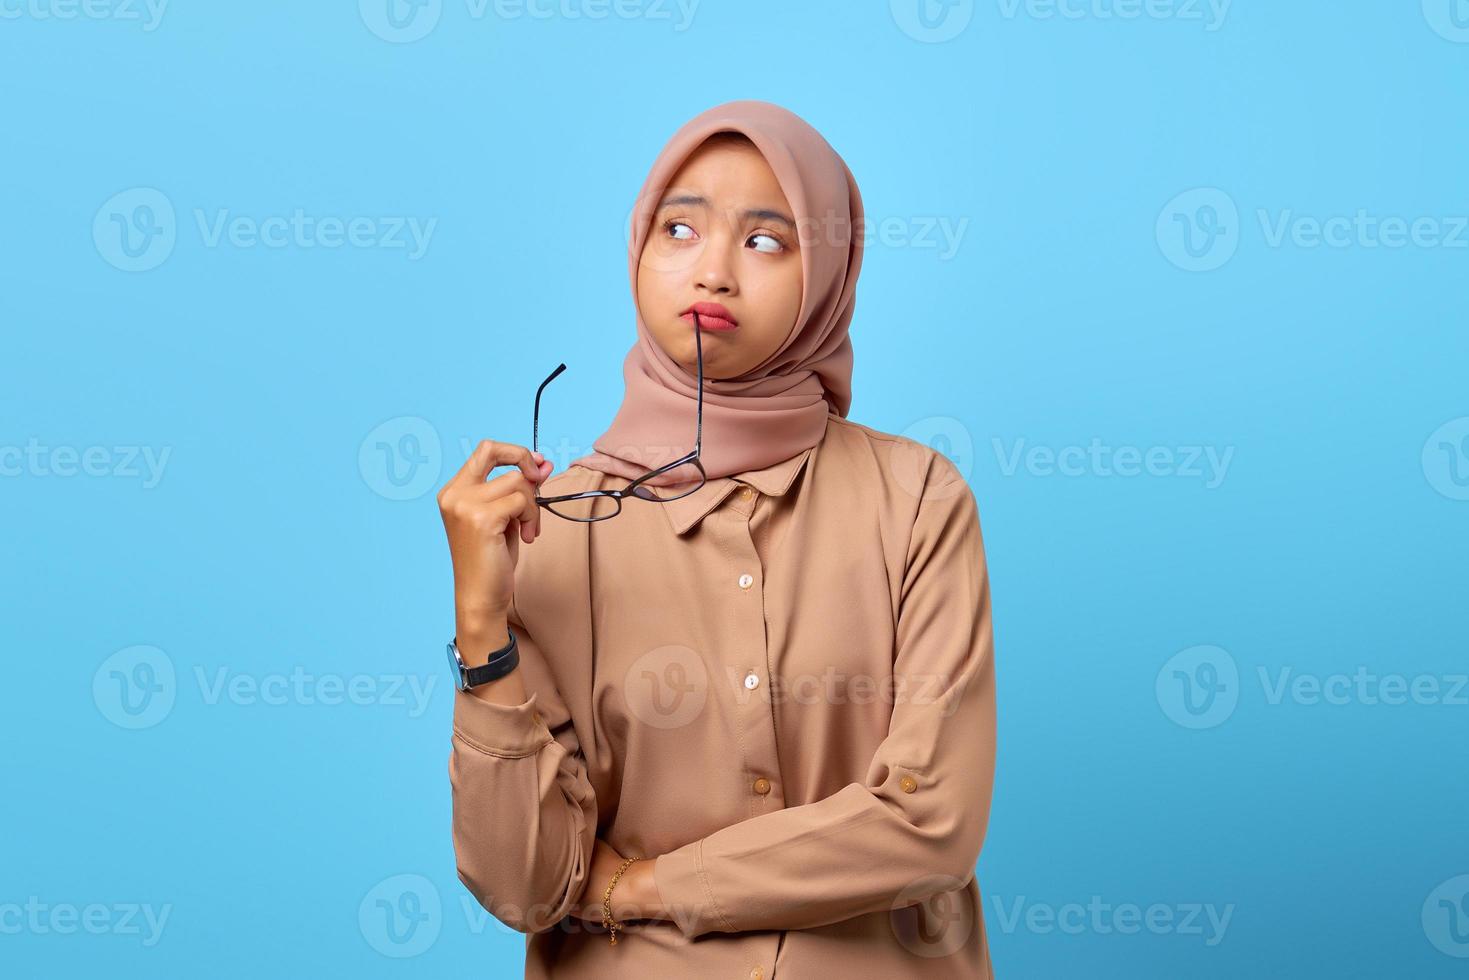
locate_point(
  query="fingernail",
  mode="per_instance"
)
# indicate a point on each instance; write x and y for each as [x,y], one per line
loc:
[538,457]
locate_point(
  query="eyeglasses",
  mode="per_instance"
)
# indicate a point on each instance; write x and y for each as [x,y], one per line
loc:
[598,505]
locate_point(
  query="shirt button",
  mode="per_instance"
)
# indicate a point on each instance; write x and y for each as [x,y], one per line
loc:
[908,784]
[755,974]
[762,786]
[746,580]
[752,680]
[747,493]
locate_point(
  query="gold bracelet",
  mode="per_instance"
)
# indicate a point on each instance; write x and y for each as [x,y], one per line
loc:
[607,920]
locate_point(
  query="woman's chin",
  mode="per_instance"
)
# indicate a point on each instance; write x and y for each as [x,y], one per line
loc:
[716,350]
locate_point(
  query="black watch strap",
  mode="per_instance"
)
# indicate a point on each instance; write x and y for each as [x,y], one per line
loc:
[501,662]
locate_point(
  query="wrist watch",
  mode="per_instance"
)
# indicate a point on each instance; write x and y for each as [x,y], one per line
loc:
[502,662]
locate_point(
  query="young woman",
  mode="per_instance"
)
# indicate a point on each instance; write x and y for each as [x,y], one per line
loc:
[735,719]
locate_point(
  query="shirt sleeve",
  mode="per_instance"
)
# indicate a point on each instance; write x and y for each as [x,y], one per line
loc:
[915,825]
[524,812]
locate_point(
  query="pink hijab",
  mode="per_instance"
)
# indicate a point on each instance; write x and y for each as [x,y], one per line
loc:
[779,407]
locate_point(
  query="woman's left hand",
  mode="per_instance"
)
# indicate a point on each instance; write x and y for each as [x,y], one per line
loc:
[629,899]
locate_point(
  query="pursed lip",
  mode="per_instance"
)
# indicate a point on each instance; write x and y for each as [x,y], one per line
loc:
[712,315]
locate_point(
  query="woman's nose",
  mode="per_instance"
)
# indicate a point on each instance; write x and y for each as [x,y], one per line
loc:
[715,271]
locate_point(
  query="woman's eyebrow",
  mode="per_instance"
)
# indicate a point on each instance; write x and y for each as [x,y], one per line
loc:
[697,200]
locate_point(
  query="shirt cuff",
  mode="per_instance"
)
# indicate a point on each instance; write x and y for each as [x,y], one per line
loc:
[511,731]
[684,892]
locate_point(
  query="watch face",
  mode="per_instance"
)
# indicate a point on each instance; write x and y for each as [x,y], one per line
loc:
[457,666]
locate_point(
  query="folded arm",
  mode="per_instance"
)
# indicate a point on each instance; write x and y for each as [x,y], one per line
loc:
[524,812]
[914,826]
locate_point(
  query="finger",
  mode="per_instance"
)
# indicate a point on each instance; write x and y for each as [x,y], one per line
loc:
[521,506]
[512,541]
[490,454]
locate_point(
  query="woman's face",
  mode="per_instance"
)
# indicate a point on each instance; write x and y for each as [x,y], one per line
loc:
[723,234]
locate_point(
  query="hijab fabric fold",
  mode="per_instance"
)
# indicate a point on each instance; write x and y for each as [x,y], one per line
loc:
[779,407]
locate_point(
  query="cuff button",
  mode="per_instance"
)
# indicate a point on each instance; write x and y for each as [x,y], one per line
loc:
[908,784]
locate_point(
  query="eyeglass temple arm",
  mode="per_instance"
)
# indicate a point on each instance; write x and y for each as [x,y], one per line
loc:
[535,421]
[699,415]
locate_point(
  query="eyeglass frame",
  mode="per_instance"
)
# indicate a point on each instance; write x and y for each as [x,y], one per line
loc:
[631,490]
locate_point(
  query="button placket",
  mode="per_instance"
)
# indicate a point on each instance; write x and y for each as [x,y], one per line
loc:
[761,762]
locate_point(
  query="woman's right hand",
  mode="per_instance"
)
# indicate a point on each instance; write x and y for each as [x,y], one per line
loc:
[485,522]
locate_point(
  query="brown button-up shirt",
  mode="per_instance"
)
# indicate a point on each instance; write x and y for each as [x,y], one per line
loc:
[782,688]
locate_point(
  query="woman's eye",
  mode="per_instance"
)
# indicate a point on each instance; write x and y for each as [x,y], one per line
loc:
[668,226]
[774,246]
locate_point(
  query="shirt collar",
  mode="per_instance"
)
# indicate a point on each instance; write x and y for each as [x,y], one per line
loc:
[774,481]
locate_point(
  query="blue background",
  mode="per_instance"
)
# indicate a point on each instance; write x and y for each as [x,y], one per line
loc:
[310,399]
